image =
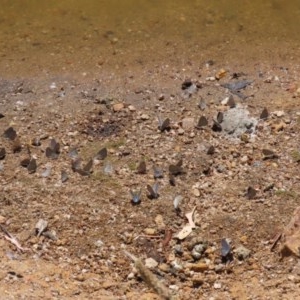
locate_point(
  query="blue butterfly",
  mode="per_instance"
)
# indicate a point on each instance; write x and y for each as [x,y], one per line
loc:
[136,196]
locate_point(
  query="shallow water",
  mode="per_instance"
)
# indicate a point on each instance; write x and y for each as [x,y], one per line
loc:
[72,35]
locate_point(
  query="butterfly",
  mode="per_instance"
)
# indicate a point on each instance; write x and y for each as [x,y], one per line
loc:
[2,153]
[269,154]
[136,196]
[16,145]
[141,168]
[225,248]
[153,191]
[73,153]
[202,104]
[231,102]
[32,166]
[202,122]
[10,133]
[64,176]
[163,125]
[216,126]
[53,150]
[158,173]
[226,251]
[251,193]
[220,117]
[176,169]
[177,201]
[211,150]
[86,170]
[102,154]
[264,114]
[172,179]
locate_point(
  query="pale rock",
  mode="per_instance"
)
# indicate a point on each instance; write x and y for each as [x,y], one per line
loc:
[118,107]
[151,263]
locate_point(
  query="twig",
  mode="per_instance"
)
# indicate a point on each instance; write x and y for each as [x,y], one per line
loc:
[12,239]
[150,278]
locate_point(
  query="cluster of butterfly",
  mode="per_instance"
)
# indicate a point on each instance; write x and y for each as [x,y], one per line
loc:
[217,127]
[174,170]
[52,152]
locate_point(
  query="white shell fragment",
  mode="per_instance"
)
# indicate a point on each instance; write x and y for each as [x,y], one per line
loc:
[184,232]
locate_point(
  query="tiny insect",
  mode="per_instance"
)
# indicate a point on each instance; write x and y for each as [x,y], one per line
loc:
[136,196]
[153,191]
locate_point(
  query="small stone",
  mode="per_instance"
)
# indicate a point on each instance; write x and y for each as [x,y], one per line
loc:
[188,123]
[108,284]
[217,285]
[180,131]
[196,192]
[198,267]
[164,267]
[278,113]
[131,108]
[244,159]
[150,231]
[118,107]
[151,263]
[160,222]
[242,252]
[145,117]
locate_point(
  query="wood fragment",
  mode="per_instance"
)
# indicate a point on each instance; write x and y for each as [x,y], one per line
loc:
[151,280]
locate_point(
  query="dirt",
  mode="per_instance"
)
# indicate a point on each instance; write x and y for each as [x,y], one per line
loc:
[105,87]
